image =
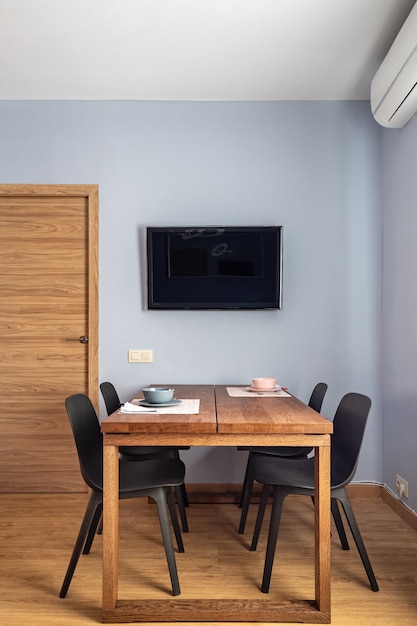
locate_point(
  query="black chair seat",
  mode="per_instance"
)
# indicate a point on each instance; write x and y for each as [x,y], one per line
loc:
[151,474]
[149,452]
[283,451]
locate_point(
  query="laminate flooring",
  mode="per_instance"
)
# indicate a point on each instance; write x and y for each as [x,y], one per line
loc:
[38,531]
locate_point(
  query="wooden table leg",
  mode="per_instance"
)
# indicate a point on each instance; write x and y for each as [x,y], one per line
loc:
[110,527]
[322,526]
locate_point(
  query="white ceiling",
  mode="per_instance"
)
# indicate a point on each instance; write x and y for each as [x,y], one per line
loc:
[194,49]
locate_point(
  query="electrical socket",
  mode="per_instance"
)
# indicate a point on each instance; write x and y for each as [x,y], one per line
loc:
[401,485]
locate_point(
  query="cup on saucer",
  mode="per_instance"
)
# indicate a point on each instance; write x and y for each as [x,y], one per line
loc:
[158,395]
[264,384]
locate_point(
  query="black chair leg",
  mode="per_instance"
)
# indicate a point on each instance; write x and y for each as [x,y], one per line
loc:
[347,507]
[183,489]
[277,502]
[93,503]
[245,483]
[97,519]
[339,524]
[260,516]
[160,496]
[185,495]
[246,496]
[174,519]
[181,507]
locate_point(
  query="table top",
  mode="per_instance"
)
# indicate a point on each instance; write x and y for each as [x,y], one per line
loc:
[223,414]
[265,414]
[204,422]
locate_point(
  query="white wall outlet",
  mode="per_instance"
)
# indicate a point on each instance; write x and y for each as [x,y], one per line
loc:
[401,485]
[140,356]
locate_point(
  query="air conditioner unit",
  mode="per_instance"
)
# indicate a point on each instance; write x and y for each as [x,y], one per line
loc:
[394,86]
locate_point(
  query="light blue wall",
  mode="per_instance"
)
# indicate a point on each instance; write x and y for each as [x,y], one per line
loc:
[400,307]
[313,167]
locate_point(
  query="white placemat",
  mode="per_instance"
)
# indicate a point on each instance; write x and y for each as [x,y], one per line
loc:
[187,407]
[243,392]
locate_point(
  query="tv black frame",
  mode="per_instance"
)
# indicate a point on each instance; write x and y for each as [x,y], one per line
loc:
[154,270]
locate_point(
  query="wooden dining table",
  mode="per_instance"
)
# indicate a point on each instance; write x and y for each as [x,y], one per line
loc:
[222,420]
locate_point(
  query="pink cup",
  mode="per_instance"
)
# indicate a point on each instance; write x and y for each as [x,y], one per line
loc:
[264,384]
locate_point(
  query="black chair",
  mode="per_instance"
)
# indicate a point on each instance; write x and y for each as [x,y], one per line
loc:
[146,453]
[315,402]
[285,477]
[153,479]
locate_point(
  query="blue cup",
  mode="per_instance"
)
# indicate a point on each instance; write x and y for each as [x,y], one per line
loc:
[158,395]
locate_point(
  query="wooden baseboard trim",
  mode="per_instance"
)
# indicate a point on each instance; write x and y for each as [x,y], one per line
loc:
[381,491]
[215,493]
[364,491]
[229,493]
[400,509]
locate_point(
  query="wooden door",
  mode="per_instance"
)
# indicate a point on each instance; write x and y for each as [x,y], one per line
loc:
[48,300]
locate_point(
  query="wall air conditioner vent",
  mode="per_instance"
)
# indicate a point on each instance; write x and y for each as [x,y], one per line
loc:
[394,86]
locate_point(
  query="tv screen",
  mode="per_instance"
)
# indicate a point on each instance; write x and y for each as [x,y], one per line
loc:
[214,267]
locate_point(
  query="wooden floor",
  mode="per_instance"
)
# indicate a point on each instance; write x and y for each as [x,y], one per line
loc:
[37,533]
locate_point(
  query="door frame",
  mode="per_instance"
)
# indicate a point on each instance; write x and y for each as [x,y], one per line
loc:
[90,193]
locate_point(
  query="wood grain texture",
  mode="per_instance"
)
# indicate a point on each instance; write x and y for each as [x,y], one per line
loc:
[38,531]
[48,237]
[204,422]
[261,414]
[247,417]
[322,521]
[215,610]
[122,429]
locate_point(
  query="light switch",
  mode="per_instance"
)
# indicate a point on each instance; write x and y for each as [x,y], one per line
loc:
[140,356]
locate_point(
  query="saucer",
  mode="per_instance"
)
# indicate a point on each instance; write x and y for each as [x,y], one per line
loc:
[276,388]
[155,405]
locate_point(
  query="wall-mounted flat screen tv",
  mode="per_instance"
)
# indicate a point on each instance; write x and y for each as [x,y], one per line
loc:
[214,267]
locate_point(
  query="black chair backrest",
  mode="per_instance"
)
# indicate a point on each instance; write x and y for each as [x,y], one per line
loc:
[88,438]
[317,396]
[110,397]
[348,430]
